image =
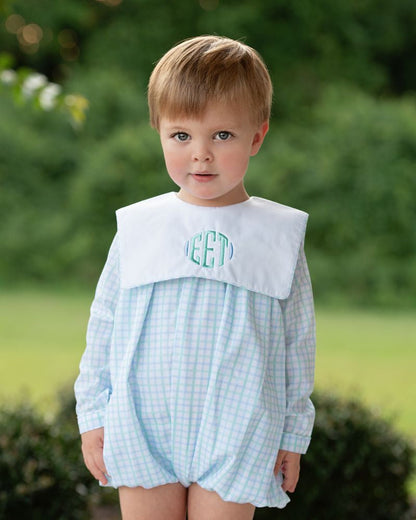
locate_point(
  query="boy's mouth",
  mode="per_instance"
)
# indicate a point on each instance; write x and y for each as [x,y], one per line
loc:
[203,176]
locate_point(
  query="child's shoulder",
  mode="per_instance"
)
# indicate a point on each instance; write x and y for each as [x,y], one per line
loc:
[276,208]
[155,202]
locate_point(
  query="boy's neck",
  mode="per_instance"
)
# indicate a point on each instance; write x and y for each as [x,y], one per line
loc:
[233,197]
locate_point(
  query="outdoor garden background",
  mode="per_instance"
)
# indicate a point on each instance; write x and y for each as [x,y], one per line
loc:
[75,144]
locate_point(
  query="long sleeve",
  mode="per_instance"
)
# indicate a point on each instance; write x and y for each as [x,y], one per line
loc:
[299,320]
[93,385]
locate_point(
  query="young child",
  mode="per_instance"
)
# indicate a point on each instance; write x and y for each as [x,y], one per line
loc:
[193,393]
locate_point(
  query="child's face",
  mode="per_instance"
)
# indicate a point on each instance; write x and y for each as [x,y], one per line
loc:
[208,157]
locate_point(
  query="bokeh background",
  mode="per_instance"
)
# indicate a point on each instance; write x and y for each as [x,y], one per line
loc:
[75,145]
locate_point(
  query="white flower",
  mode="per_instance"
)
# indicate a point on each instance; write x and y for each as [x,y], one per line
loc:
[8,77]
[32,83]
[48,95]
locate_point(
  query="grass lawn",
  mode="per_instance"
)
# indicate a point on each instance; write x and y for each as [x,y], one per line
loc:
[369,354]
[372,355]
[42,336]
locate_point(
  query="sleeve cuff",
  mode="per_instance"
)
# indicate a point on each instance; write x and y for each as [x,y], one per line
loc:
[294,443]
[90,421]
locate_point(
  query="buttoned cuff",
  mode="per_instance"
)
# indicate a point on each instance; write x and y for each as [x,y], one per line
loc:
[294,443]
[90,421]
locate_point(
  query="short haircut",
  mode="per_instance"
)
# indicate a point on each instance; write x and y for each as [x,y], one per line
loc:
[209,69]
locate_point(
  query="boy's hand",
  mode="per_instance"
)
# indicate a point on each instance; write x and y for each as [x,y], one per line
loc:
[289,463]
[92,450]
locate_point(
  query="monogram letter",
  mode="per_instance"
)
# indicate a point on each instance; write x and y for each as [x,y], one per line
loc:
[207,248]
[224,243]
[194,248]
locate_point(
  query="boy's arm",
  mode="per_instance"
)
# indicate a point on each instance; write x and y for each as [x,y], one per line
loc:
[93,385]
[299,321]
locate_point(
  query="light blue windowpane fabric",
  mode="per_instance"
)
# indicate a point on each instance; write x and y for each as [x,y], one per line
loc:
[196,380]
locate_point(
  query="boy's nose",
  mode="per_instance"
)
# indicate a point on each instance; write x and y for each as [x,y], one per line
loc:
[202,154]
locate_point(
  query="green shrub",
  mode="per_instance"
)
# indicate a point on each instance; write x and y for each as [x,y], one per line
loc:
[352,168]
[128,166]
[38,155]
[41,472]
[115,101]
[357,468]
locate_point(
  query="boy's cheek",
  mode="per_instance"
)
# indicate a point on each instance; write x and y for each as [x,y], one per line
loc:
[174,168]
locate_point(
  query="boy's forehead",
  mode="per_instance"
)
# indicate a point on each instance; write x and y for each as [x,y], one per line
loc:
[214,114]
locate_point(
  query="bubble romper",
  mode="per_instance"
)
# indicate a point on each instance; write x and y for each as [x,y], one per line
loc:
[200,348]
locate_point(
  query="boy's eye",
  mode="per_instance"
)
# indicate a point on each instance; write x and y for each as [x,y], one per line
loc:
[223,135]
[181,136]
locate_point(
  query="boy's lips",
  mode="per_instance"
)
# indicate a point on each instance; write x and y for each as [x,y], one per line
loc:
[203,176]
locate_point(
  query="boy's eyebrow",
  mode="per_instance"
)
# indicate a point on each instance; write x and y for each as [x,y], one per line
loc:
[176,127]
[220,126]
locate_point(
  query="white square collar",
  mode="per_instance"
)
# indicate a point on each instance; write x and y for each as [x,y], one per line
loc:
[253,244]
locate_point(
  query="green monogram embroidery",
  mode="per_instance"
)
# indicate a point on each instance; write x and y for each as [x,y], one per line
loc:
[209,249]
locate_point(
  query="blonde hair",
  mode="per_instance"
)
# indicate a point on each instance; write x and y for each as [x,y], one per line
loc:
[206,69]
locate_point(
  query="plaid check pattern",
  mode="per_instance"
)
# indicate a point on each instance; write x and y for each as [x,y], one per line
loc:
[197,380]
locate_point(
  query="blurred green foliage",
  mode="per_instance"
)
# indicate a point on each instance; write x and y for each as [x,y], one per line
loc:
[353,168]
[342,144]
[41,471]
[306,44]
[355,468]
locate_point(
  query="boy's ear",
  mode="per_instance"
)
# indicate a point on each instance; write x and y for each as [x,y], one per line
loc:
[259,138]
